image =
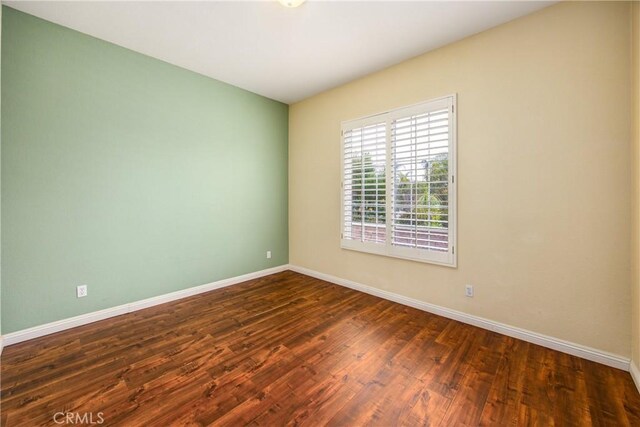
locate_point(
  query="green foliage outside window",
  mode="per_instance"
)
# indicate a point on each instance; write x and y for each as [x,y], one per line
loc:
[431,192]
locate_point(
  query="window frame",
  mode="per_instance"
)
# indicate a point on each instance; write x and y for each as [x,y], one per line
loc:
[448,258]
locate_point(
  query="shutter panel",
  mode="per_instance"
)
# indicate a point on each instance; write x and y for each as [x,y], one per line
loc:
[420,193]
[364,192]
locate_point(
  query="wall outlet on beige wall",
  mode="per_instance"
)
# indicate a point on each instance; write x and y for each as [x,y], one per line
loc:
[468,291]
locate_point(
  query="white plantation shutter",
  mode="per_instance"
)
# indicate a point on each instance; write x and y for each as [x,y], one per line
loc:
[364,163]
[420,143]
[398,195]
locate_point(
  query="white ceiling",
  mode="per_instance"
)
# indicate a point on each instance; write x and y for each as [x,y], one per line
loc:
[284,54]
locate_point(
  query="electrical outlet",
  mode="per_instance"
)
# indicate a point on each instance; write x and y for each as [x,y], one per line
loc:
[81,291]
[468,291]
[268,254]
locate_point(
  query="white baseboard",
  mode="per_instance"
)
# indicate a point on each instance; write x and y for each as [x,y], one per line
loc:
[533,337]
[635,374]
[83,319]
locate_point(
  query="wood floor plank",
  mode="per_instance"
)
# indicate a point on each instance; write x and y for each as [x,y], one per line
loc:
[469,400]
[503,402]
[288,349]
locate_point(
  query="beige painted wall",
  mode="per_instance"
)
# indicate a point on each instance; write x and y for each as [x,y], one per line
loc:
[544,174]
[635,329]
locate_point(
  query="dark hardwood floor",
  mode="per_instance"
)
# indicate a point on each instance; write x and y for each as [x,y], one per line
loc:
[290,349]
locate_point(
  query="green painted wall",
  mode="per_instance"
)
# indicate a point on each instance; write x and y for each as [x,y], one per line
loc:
[127,174]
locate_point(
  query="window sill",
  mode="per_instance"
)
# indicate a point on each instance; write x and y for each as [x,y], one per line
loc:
[446,259]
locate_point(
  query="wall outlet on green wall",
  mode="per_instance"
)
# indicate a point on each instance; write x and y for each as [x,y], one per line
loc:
[81,291]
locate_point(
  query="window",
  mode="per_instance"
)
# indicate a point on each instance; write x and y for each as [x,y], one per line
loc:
[398,183]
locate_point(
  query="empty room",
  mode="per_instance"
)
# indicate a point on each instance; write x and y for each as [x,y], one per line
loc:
[343,213]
